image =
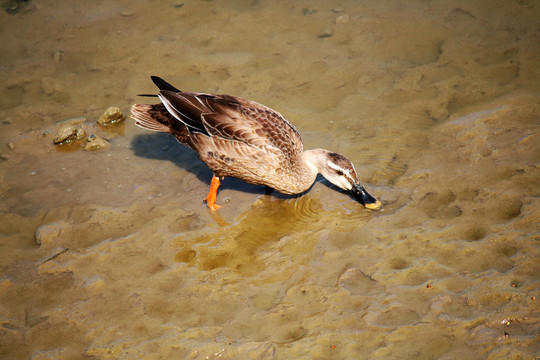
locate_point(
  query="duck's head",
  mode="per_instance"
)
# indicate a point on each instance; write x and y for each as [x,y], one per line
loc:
[340,171]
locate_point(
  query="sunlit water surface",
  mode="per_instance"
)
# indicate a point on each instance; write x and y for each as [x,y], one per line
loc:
[436,103]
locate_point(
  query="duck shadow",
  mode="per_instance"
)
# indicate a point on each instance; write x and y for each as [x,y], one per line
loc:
[162,146]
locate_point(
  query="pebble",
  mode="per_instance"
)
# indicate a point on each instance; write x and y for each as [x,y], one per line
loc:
[96,143]
[65,134]
[69,130]
[126,13]
[326,33]
[57,56]
[337,9]
[10,145]
[80,134]
[342,19]
[111,116]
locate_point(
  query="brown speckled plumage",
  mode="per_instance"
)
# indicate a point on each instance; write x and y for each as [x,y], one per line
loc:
[243,139]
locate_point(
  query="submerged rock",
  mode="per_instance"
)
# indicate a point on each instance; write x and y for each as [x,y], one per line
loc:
[65,134]
[69,130]
[111,116]
[80,134]
[326,33]
[96,143]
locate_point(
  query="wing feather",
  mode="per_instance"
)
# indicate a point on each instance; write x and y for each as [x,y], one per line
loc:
[231,118]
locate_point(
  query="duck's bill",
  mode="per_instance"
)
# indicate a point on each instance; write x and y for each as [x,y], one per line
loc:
[366,199]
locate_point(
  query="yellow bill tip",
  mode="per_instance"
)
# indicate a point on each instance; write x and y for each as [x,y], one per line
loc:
[373,206]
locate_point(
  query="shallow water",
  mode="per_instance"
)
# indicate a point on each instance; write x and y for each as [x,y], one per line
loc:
[436,103]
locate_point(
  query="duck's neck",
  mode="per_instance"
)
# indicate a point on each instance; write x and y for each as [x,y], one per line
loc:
[312,159]
[308,167]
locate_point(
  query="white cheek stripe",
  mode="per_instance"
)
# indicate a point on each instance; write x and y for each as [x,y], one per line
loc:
[334,166]
[345,172]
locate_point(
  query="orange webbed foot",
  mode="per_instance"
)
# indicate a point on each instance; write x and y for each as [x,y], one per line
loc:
[213,207]
[212,194]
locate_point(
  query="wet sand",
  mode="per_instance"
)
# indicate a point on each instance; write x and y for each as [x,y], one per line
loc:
[112,254]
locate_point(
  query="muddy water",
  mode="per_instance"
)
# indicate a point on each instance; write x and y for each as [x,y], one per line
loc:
[437,104]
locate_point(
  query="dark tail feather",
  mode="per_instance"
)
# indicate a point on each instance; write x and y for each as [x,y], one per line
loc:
[147,95]
[163,85]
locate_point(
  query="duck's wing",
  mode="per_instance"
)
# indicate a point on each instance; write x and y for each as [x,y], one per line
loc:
[230,118]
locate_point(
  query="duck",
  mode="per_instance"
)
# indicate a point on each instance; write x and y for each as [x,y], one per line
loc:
[241,138]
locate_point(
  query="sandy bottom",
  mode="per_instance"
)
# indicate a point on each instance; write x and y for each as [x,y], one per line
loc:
[112,254]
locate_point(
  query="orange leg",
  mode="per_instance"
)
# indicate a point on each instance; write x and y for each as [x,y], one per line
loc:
[212,194]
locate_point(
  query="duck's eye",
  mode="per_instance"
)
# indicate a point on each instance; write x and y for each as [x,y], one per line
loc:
[339,172]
